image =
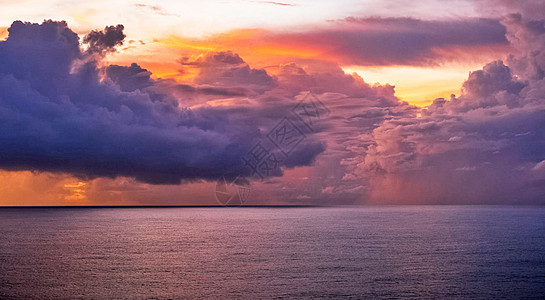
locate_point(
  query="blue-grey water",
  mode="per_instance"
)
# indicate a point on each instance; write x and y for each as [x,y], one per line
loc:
[435,252]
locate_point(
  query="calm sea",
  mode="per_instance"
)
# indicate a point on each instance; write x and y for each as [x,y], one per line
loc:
[435,252]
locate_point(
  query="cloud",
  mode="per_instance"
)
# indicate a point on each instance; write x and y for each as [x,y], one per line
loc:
[61,113]
[481,147]
[130,78]
[134,78]
[539,166]
[105,41]
[277,3]
[371,41]
[156,9]
[227,69]
[527,37]
[493,78]
[531,9]
[397,41]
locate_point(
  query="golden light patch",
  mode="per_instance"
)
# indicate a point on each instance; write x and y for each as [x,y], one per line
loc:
[251,44]
[184,43]
[77,191]
[416,85]
[24,188]
[3,33]
[82,16]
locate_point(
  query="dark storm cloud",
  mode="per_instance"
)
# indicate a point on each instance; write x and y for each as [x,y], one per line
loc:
[59,114]
[105,40]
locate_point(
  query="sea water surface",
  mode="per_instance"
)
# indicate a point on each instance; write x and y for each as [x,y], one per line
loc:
[435,252]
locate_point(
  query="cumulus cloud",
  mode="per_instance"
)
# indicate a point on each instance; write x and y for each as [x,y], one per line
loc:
[227,69]
[528,38]
[130,78]
[106,40]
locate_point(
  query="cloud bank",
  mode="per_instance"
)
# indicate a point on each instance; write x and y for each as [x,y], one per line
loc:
[62,113]
[485,146]
[64,110]
[376,41]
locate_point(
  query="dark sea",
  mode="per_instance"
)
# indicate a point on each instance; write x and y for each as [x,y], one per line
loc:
[383,252]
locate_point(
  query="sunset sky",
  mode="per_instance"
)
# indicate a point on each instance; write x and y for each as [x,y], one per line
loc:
[150,102]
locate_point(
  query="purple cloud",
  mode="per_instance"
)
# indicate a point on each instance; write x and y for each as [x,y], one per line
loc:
[398,41]
[59,115]
[227,69]
[105,41]
[486,146]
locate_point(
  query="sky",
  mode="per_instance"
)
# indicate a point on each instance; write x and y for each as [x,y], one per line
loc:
[265,102]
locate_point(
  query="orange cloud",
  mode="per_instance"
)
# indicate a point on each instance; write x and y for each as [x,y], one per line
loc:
[417,84]
[162,56]
[355,42]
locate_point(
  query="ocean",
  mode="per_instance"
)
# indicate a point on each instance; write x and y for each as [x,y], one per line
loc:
[377,252]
